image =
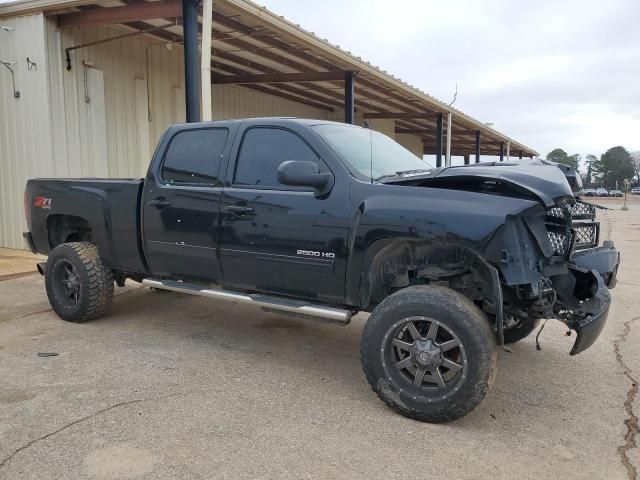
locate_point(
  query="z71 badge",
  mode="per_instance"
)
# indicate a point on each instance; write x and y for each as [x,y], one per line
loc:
[42,202]
[311,253]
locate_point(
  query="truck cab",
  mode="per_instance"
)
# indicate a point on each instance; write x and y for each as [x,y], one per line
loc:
[234,215]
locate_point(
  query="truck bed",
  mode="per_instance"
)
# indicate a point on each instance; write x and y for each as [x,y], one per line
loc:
[110,206]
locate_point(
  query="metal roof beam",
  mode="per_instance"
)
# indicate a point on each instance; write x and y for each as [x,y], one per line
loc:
[283,90]
[279,93]
[279,77]
[399,115]
[432,132]
[123,14]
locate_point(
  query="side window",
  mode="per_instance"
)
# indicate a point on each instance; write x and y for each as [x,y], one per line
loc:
[263,150]
[194,156]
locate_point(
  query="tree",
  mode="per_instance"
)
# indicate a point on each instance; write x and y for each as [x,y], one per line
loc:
[589,175]
[575,160]
[614,166]
[558,155]
[635,161]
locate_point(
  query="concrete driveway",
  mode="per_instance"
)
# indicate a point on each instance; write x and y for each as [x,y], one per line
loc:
[170,386]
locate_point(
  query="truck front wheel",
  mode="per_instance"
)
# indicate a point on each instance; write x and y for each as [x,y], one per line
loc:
[429,353]
[79,286]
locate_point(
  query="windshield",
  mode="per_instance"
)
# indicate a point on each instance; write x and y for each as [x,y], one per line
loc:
[364,149]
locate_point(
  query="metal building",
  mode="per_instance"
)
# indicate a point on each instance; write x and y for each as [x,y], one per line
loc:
[88,86]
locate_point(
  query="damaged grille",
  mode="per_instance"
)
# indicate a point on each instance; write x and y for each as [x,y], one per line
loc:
[566,234]
[579,211]
[587,234]
[560,240]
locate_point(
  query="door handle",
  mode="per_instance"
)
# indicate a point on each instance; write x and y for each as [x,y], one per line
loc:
[159,202]
[238,209]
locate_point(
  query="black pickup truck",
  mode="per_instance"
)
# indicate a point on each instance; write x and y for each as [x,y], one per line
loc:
[323,220]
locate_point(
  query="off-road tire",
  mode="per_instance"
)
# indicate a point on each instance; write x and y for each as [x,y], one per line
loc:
[520,331]
[94,279]
[455,312]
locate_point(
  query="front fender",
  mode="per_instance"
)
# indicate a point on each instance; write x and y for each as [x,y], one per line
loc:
[517,247]
[448,217]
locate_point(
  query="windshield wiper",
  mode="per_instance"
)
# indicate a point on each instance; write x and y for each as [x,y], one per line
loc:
[400,173]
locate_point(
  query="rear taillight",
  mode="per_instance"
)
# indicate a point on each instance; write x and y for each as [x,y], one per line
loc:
[27,209]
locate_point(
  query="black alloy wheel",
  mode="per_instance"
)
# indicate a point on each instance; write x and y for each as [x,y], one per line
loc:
[66,283]
[427,355]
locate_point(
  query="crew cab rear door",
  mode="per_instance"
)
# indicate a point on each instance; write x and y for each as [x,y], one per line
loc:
[279,238]
[181,203]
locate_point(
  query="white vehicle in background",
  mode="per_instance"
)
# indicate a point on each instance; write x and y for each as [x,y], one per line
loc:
[602,192]
[616,193]
[635,191]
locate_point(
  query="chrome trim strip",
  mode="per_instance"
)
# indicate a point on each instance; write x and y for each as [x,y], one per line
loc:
[277,257]
[284,304]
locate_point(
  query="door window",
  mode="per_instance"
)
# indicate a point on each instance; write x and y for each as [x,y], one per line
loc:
[194,157]
[261,153]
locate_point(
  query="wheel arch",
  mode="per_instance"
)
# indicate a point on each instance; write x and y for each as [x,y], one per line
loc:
[63,228]
[81,218]
[390,264]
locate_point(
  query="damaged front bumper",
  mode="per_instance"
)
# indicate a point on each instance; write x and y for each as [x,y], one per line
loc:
[592,315]
[583,293]
[604,260]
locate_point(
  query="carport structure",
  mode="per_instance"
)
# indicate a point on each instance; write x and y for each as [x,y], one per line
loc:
[252,47]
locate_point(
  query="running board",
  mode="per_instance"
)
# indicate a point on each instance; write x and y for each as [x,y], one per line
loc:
[267,302]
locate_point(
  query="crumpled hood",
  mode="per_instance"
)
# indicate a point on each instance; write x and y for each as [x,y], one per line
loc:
[547,181]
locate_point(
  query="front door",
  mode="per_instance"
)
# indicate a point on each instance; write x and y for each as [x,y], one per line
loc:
[181,206]
[278,238]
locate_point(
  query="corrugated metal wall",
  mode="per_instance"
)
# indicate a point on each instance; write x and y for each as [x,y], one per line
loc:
[138,72]
[25,136]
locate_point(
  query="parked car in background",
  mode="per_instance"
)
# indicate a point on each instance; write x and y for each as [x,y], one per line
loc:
[616,193]
[589,192]
[635,191]
[602,192]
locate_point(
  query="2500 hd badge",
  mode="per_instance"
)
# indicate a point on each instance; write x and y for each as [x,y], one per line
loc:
[449,262]
[310,253]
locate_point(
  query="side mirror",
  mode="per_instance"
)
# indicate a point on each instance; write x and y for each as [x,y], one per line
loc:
[302,174]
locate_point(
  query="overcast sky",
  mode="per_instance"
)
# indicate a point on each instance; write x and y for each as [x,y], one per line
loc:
[548,73]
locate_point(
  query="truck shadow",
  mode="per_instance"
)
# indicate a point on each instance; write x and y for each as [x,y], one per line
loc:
[529,383]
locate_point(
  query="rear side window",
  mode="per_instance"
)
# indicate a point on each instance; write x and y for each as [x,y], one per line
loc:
[194,156]
[262,152]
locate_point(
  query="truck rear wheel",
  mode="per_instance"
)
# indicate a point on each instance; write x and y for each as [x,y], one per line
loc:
[79,286]
[429,353]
